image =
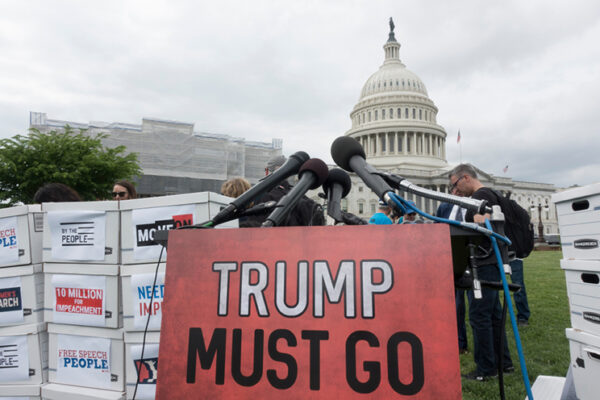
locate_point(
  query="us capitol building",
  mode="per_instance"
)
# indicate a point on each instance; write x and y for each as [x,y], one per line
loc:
[396,123]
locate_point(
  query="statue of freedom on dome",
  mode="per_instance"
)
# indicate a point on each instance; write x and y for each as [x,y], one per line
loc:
[392,37]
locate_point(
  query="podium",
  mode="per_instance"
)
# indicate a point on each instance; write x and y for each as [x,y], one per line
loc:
[310,311]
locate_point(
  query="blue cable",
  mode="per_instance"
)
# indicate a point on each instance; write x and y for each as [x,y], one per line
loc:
[403,204]
[513,321]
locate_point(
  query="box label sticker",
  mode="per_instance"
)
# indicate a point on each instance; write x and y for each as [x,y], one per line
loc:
[83,361]
[79,299]
[77,235]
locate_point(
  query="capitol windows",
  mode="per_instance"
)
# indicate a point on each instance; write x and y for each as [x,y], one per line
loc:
[391,113]
[400,139]
[406,113]
[376,116]
[391,143]
[361,208]
[414,113]
[369,116]
[373,208]
[420,114]
[399,113]
[382,140]
[383,114]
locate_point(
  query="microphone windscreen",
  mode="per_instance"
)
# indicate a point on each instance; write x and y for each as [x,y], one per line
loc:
[318,167]
[300,156]
[343,149]
[337,175]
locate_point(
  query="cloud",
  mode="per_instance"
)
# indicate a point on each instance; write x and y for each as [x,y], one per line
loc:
[519,79]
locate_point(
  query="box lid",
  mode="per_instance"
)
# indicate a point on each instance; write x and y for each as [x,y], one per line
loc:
[164,201]
[26,329]
[110,333]
[576,193]
[134,269]
[583,337]
[55,391]
[138,337]
[109,205]
[20,270]
[580,265]
[83,269]
[19,210]
[20,390]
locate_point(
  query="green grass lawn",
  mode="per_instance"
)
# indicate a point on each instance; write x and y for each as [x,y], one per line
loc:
[545,346]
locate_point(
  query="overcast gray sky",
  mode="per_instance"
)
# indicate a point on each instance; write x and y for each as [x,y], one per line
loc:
[520,79]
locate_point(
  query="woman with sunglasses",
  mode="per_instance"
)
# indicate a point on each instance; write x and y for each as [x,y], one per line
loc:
[123,190]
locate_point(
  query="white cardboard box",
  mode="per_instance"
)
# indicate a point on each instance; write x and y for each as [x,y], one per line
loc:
[578,212]
[585,363]
[55,391]
[148,364]
[136,286]
[21,392]
[21,226]
[77,356]
[140,218]
[21,295]
[583,289]
[26,348]
[78,305]
[70,239]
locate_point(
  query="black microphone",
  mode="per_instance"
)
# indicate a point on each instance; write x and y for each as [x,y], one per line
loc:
[289,168]
[312,175]
[336,187]
[349,154]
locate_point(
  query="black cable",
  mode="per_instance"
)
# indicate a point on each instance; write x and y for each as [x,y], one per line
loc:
[138,367]
[501,350]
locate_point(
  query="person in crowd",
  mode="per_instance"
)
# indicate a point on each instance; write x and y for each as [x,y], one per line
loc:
[123,190]
[55,193]
[306,212]
[485,314]
[382,216]
[456,213]
[235,187]
[411,216]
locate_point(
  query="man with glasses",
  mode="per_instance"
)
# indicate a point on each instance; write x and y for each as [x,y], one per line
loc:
[485,314]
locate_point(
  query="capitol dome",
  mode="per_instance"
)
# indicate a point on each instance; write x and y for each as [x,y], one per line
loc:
[395,120]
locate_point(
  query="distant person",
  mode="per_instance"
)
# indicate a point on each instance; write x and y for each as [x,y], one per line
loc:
[382,216]
[123,190]
[485,313]
[235,187]
[306,212]
[55,193]
[411,216]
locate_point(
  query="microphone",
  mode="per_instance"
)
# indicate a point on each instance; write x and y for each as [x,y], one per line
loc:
[477,206]
[289,168]
[349,154]
[312,175]
[336,187]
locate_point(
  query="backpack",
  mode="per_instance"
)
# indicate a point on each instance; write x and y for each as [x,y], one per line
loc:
[517,226]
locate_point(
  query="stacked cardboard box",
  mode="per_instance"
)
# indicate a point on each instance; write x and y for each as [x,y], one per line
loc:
[578,213]
[23,337]
[142,302]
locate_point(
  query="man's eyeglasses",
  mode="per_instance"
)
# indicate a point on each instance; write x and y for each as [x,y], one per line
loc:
[453,185]
[119,194]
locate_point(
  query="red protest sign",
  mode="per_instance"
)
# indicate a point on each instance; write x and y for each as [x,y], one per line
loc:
[310,312]
[79,300]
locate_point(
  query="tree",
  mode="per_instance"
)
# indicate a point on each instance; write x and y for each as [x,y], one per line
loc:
[75,159]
